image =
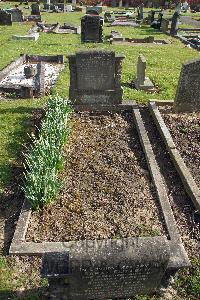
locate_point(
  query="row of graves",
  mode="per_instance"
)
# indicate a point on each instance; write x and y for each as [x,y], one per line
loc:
[188,35]
[119,261]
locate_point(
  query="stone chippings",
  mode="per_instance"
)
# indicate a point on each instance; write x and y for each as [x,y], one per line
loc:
[106,185]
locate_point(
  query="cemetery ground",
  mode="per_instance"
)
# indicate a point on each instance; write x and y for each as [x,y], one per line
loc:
[19,277]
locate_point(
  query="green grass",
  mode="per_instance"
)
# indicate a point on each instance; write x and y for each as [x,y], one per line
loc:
[163,67]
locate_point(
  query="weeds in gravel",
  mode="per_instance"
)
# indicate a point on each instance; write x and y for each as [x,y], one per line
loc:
[45,158]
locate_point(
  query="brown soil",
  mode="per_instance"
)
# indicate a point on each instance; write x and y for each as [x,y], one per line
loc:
[107,190]
[187,219]
[185,131]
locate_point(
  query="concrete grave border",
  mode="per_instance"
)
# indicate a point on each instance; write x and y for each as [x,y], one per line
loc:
[185,175]
[26,91]
[178,256]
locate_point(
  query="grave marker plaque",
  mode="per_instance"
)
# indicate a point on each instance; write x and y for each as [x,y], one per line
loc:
[95,77]
[109,269]
[188,91]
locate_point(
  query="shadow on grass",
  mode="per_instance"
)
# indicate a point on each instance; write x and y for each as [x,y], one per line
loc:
[33,294]
[11,198]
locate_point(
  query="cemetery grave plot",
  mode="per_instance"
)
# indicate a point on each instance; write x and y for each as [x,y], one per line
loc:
[30,76]
[137,41]
[106,183]
[185,131]
[190,37]
[56,28]
[104,228]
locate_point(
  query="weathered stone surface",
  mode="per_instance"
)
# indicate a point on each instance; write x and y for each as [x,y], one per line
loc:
[142,82]
[95,77]
[17,15]
[5,18]
[98,9]
[188,91]
[174,24]
[91,29]
[35,9]
[111,268]
[164,25]
[29,37]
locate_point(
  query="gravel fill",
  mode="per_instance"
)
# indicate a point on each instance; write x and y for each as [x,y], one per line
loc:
[187,219]
[107,190]
[185,131]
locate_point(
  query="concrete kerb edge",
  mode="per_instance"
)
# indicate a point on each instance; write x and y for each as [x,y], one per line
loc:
[19,246]
[184,173]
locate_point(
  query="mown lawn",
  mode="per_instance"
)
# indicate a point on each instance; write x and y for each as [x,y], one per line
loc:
[163,67]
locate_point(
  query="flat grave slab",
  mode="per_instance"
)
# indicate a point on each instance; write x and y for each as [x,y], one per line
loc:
[56,28]
[137,41]
[46,71]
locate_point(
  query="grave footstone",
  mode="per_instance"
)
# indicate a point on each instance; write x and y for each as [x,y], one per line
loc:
[142,82]
[91,29]
[188,90]
[95,77]
[5,18]
[110,269]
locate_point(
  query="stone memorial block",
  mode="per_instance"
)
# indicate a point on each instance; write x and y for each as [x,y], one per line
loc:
[174,24]
[74,3]
[17,15]
[188,90]
[142,82]
[109,269]
[91,29]
[95,77]
[120,3]
[164,25]
[5,18]
[35,9]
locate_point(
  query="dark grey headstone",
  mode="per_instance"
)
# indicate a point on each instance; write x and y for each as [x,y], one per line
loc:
[95,71]
[5,18]
[174,24]
[188,91]
[95,77]
[35,9]
[91,29]
[17,15]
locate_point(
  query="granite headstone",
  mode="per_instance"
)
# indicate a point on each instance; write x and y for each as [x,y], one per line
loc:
[95,77]
[188,91]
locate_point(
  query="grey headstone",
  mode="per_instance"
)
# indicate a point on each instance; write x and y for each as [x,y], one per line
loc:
[17,15]
[188,91]
[35,9]
[95,77]
[91,29]
[174,24]
[113,3]
[5,18]
[142,82]
[164,25]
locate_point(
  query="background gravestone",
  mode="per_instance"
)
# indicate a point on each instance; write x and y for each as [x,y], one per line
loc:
[17,15]
[142,82]
[91,29]
[5,18]
[174,24]
[95,77]
[188,91]
[35,9]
